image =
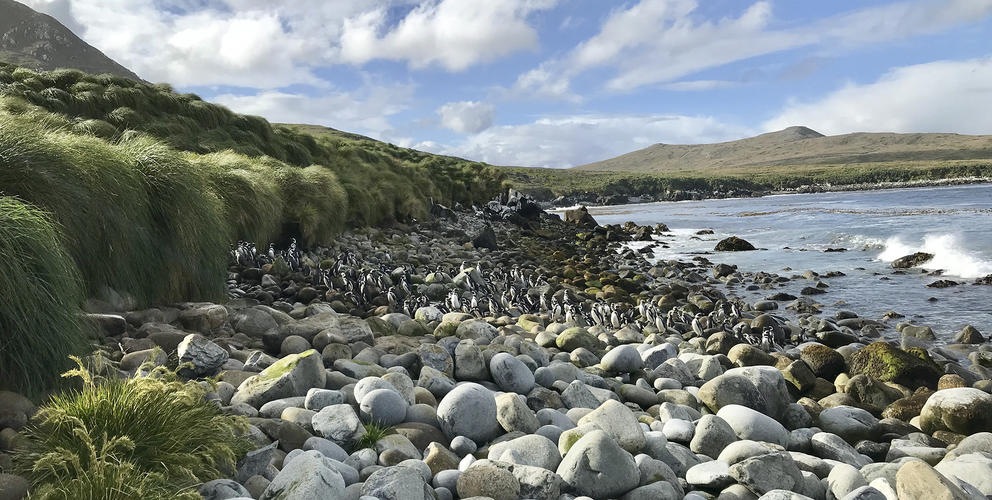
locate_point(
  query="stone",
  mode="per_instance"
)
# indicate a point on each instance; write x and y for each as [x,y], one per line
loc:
[824,362]
[712,475]
[843,479]
[733,244]
[439,458]
[622,359]
[969,335]
[317,399]
[469,362]
[580,217]
[764,473]
[253,322]
[469,410]
[397,483]
[852,424]
[222,489]
[749,355]
[486,238]
[886,363]
[619,422]
[511,374]
[750,424]
[293,375]
[484,480]
[309,476]
[833,447]
[576,337]
[384,407]
[436,357]
[476,329]
[13,487]
[204,357]
[578,395]
[598,467]
[972,468]
[918,481]
[731,390]
[963,410]
[912,260]
[712,435]
[532,450]
[514,415]
[339,424]
[771,383]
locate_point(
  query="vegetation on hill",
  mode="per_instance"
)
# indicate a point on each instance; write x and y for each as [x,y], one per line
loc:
[742,181]
[146,189]
[797,146]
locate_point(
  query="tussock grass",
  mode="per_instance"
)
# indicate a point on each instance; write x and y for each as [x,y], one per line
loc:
[116,431]
[373,433]
[39,322]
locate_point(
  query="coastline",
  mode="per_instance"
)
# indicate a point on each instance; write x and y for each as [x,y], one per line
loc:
[805,189]
[502,349]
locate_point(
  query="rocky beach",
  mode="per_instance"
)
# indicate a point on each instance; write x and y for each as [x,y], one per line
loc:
[503,352]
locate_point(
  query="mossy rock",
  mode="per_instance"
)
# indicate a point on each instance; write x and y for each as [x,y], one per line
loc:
[446,329]
[906,408]
[412,328]
[576,337]
[886,363]
[823,361]
[380,327]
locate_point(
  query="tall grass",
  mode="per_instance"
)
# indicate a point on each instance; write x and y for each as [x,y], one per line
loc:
[116,428]
[41,295]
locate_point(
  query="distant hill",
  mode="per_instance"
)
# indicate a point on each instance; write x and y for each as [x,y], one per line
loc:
[797,146]
[37,41]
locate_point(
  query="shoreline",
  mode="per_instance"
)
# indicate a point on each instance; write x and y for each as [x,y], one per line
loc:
[506,348]
[806,189]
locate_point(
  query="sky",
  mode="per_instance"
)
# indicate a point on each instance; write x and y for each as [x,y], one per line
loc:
[558,83]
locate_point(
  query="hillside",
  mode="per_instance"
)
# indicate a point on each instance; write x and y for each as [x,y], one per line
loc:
[797,146]
[39,42]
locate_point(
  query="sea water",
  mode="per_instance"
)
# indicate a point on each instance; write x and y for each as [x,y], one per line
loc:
[874,227]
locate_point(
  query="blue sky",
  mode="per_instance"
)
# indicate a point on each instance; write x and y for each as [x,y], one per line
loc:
[562,82]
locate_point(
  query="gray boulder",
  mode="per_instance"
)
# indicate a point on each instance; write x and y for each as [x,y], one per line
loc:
[339,424]
[469,410]
[749,424]
[309,475]
[204,357]
[598,467]
[397,483]
[511,374]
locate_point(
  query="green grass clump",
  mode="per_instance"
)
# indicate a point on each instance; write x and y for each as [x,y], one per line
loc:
[373,433]
[41,296]
[113,431]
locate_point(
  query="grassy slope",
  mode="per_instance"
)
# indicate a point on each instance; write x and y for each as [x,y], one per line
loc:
[145,189]
[798,146]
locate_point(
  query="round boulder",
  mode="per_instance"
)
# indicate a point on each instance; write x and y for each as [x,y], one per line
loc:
[469,410]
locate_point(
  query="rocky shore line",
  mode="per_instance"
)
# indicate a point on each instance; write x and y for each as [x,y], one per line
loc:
[596,199]
[506,353]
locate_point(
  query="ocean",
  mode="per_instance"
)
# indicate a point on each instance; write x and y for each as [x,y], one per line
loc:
[793,231]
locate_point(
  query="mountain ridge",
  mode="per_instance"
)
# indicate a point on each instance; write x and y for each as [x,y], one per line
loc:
[797,145]
[40,42]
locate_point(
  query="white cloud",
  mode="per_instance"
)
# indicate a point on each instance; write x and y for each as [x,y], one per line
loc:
[454,34]
[366,111]
[659,41]
[264,44]
[941,96]
[574,140]
[466,117]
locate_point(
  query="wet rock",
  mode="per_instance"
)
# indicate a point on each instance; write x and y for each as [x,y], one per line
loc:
[733,244]
[912,260]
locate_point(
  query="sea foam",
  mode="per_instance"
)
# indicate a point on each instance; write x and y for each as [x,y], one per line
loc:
[950,254]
